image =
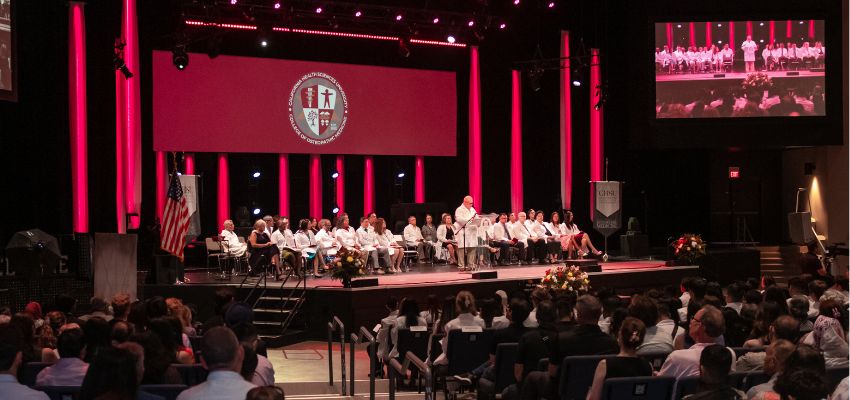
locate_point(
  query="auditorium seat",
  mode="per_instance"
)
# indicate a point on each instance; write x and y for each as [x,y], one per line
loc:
[435,349]
[191,374]
[417,342]
[656,358]
[168,392]
[685,386]
[576,375]
[834,376]
[642,387]
[60,392]
[29,371]
[753,378]
[467,350]
[503,369]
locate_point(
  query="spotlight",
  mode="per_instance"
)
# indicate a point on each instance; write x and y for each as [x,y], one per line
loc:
[179,173]
[502,26]
[516,2]
[400,175]
[335,210]
[678,25]
[232,2]
[450,39]
[256,174]
[576,82]
[179,57]
[470,23]
[256,211]
[335,175]
[719,41]
[761,23]
[318,10]
[398,17]
[551,4]
[277,5]
[358,13]
[436,20]
[801,22]
[264,43]
[403,50]
[719,25]
[761,40]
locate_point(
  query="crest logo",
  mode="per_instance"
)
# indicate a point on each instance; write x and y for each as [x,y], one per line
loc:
[318,108]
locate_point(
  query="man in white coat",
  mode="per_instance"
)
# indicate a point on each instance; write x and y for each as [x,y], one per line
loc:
[231,241]
[749,47]
[467,239]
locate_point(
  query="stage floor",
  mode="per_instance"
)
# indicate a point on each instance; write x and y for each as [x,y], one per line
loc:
[426,274]
[734,76]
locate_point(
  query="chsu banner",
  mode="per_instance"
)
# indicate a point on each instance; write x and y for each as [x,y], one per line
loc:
[606,214]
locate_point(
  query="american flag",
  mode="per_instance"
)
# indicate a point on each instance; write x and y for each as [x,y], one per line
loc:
[175,220]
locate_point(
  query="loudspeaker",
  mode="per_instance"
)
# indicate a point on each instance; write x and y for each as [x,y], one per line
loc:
[719,75]
[364,282]
[800,227]
[485,275]
[817,69]
[792,73]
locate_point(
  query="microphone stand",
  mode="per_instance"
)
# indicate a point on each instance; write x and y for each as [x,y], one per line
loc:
[463,233]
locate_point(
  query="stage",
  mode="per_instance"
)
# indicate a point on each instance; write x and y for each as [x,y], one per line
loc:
[710,76]
[365,306]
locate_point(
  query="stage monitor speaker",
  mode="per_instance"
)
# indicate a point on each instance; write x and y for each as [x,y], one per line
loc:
[792,73]
[485,275]
[817,69]
[719,75]
[800,227]
[364,282]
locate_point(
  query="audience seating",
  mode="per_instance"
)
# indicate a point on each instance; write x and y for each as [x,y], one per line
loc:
[191,374]
[503,367]
[686,385]
[60,392]
[434,346]
[656,358]
[643,387]
[834,376]
[753,378]
[467,350]
[29,371]
[576,375]
[417,342]
[739,351]
[543,364]
[168,392]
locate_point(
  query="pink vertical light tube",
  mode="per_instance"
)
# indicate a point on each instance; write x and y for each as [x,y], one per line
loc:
[340,183]
[516,141]
[788,29]
[749,27]
[189,163]
[78,116]
[368,185]
[668,28]
[596,133]
[708,41]
[283,185]
[132,114]
[692,37]
[811,29]
[419,183]
[120,189]
[474,127]
[161,182]
[732,35]
[772,31]
[566,136]
[223,190]
[315,186]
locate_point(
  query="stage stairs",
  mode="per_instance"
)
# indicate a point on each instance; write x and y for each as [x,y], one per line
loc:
[780,262]
[277,308]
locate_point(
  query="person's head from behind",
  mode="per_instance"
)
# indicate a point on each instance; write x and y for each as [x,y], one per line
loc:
[734,293]
[801,385]
[410,310]
[698,288]
[539,294]
[139,353]
[546,314]
[120,305]
[631,334]
[797,285]
[785,327]
[588,309]
[168,335]
[112,374]
[71,343]
[816,289]
[518,310]
[156,307]
[804,357]
[465,303]
[752,296]
[776,354]
[246,333]
[221,350]
[715,361]
[707,324]
[830,308]
[447,310]
[643,308]
[265,393]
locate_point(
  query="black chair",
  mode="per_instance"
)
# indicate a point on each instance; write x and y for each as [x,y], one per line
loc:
[467,350]
[685,386]
[506,358]
[543,364]
[60,392]
[168,392]
[576,375]
[753,378]
[191,374]
[436,348]
[738,379]
[29,371]
[739,351]
[417,342]
[642,387]
[655,358]
[834,377]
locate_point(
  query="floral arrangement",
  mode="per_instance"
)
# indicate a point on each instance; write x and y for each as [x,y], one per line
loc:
[347,265]
[570,278]
[758,81]
[688,247]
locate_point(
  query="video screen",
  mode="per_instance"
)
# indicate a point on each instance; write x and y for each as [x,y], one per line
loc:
[722,69]
[6,61]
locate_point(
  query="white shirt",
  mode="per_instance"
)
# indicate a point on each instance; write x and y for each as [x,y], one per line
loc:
[347,237]
[325,240]
[735,306]
[442,231]
[232,244]
[659,337]
[264,373]
[685,298]
[682,363]
[531,320]
[840,393]
[11,389]
[749,47]
[412,235]
[499,232]
[65,372]
[305,242]
[465,319]
[520,232]
[727,53]
[776,53]
[383,336]
[501,322]
[386,241]
[465,237]
[283,238]
[367,239]
[223,385]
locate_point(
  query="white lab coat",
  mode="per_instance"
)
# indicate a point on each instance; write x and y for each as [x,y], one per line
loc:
[385,241]
[465,237]
[442,232]
[305,242]
[749,47]
[283,238]
[367,239]
[412,235]
[326,241]
[346,237]
[231,245]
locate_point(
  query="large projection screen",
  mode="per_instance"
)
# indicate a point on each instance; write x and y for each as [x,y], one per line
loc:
[260,105]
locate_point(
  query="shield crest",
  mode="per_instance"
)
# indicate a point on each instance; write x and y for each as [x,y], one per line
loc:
[318,106]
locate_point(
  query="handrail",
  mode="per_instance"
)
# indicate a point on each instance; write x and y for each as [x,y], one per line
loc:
[332,325]
[396,367]
[373,359]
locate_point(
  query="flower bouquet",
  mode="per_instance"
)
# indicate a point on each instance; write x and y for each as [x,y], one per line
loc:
[568,278]
[346,266]
[688,248]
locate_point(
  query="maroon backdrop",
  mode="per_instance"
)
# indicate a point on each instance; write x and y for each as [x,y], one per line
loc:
[240,105]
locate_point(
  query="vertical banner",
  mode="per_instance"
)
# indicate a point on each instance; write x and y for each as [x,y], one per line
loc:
[607,215]
[190,191]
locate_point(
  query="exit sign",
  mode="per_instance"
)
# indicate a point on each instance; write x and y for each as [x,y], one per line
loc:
[734,172]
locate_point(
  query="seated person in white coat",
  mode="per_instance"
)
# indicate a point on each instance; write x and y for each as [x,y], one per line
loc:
[467,316]
[387,246]
[505,240]
[368,241]
[230,240]
[285,241]
[325,238]
[413,238]
[305,242]
[446,237]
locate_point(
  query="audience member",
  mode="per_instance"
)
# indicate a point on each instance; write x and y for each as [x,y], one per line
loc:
[798,307]
[408,316]
[158,361]
[610,304]
[222,356]
[138,315]
[70,369]
[768,312]
[99,308]
[565,305]
[11,358]
[383,336]
[705,327]
[627,363]
[30,350]
[112,375]
[535,344]
[167,328]
[774,362]
[714,365]
[447,313]
[263,373]
[248,371]
[537,295]
[120,306]
[829,336]
[660,336]
[467,316]
[265,393]
[802,385]
[784,328]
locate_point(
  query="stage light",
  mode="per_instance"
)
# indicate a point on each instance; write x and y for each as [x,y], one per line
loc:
[335,175]
[179,57]
[179,173]
[400,175]
[719,25]
[264,43]
[436,20]
[516,2]
[277,5]
[398,17]
[232,2]
[358,13]
[470,23]
[551,4]
[679,26]
[576,82]
[335,210]
[761,23]
[450,39]
[502,25]
[257,211]
[318,10]
[256,174]
[801,22]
